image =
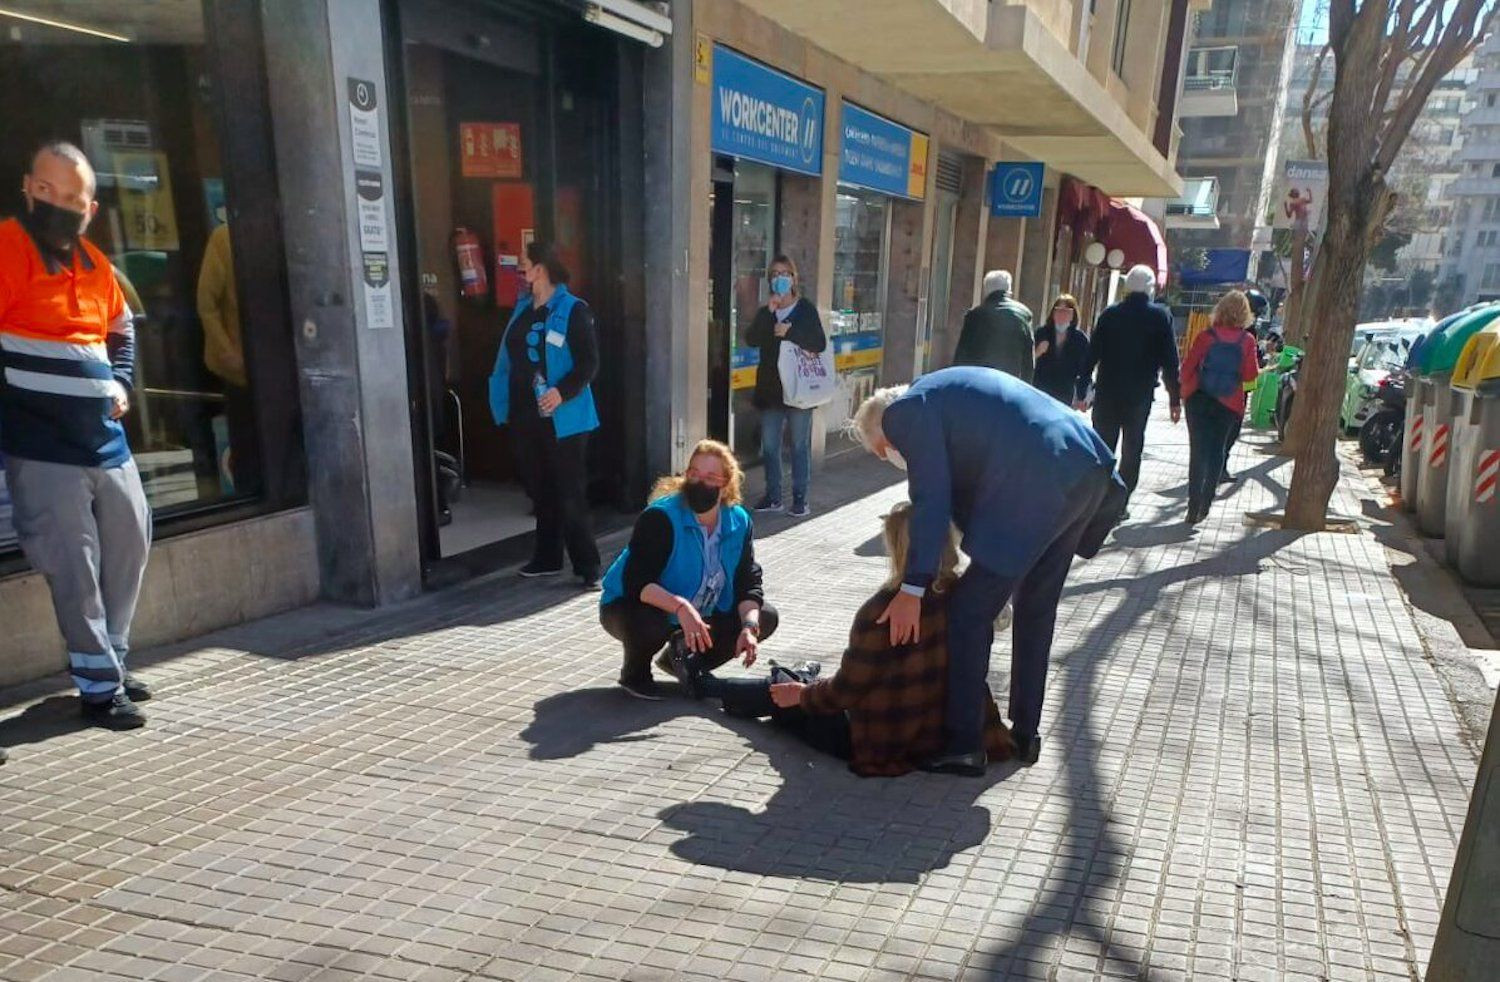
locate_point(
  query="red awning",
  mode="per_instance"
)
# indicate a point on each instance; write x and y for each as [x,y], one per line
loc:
[1081,207]
[1132,231]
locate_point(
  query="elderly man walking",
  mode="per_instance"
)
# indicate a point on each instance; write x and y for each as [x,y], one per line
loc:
[1029,485]
[997,333]
[66,366]
[1132,346]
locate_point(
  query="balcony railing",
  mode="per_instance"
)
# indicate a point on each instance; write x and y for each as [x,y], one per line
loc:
[1198,207]
[1210,81]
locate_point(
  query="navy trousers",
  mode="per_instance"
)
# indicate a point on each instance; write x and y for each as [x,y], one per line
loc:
[978,598]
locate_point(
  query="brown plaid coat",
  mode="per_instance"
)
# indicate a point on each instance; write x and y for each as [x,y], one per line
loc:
[894,695]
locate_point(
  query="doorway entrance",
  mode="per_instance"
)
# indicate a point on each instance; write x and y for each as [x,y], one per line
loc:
[745,210]
[510,136]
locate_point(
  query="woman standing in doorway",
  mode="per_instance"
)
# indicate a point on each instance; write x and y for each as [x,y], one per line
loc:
[786,317]
[541,386]
[1062,353]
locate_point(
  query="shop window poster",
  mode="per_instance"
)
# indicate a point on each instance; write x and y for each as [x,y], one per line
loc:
[490,150]
[146,207]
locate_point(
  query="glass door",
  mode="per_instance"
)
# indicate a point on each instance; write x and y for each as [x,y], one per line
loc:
[744,222]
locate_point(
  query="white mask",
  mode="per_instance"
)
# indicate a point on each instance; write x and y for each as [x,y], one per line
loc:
[894,458]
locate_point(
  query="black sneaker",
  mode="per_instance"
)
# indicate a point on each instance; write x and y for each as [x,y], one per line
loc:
[800,509]
[590,582]
[534,569]
[136,689]
[1028,750]
[769,504]
[118,713]
[642,689]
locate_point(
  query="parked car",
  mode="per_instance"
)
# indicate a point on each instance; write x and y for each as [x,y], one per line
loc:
[1379,357]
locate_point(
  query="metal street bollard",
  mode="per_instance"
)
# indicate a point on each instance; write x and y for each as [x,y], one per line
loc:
[1467,946]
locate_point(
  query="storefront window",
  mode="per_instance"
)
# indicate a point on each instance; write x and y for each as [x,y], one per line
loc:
[862,223]
[754,248]
[134,88]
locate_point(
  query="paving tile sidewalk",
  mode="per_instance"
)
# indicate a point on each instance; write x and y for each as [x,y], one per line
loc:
[1249,772]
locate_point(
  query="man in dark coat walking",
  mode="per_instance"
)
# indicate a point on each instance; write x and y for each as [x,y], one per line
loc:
[997,333]
[1133,345]
[1029,485]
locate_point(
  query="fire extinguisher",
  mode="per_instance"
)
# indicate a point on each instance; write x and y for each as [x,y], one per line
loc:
[473,281]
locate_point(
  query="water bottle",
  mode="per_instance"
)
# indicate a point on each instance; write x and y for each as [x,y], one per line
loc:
[539,388]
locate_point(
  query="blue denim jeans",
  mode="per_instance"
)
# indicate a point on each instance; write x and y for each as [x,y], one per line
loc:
[772,421]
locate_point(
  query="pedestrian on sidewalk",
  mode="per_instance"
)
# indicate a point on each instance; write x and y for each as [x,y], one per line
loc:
[690,567]
[786,317]
[542,388]
[1132,346]
[883,709]
[1062,353]
[997,333]
[1220,368]
[1028,484]
[67,360]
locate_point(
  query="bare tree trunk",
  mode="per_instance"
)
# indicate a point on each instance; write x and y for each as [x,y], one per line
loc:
[1293,324]
[1356,193]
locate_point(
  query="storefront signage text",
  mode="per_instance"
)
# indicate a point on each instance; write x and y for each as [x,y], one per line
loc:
[881,155]
[1016,190]
[369,157]
[760,114]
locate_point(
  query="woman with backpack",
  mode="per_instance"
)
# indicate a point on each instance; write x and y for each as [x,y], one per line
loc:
[1219,368]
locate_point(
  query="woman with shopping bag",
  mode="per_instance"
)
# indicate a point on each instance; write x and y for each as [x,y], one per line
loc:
[795,374]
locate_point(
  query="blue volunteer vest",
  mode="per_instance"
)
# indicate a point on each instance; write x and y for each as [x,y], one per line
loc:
[684,570]
[576,415]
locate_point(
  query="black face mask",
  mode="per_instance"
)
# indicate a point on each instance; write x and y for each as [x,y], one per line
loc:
[56,228]
[700,497]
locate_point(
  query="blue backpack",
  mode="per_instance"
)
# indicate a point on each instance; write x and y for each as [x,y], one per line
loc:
[1219,375]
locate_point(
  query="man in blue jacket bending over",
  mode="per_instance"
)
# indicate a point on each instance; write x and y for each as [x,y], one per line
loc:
[1028,483]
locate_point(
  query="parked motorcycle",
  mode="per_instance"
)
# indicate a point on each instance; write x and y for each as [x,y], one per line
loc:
[1380,436]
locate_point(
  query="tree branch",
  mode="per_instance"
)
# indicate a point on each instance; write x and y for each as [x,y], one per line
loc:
[1309,104]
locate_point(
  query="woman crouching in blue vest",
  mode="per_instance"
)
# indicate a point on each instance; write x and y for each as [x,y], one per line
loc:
[690,566]
[541,386]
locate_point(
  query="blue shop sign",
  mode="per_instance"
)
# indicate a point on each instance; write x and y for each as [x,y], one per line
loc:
[761,114]
[878,154]
[1016,190]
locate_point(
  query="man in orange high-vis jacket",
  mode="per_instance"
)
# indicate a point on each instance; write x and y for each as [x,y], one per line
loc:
[67,357]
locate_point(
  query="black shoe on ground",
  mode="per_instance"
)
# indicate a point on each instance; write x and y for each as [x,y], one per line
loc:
[799,509]
[590,582]
[962,765]
[680,663]
[642,689]
[118,713]
[136,689]
[1028,750]
[534,569]
[769,504]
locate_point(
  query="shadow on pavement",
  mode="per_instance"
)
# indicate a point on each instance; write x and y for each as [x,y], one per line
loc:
[822,822]
[1064,912]
[52,717]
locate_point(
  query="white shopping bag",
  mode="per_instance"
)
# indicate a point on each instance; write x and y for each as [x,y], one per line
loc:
[807,380]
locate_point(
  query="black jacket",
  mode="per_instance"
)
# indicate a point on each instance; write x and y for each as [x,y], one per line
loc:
[804,329]
[651,546]
[997,334]
[1062,372]
[1132,345]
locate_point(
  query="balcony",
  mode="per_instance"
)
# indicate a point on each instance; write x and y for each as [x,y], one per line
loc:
[1210,83]
[1198,206]
[996,65]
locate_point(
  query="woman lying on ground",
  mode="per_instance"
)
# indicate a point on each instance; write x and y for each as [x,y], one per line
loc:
[883,710]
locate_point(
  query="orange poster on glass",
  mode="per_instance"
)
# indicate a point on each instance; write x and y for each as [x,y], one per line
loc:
[490,150]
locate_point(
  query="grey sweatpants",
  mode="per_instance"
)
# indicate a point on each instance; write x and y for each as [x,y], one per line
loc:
[87,530]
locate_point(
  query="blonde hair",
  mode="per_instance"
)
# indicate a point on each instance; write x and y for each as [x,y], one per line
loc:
[898,543]
[734,475]
[864,425]
[1233,310]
